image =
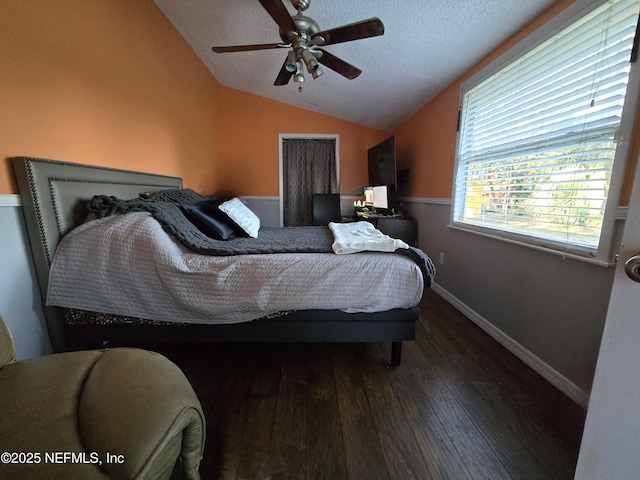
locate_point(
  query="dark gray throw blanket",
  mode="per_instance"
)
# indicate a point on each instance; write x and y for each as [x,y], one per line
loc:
[165,206]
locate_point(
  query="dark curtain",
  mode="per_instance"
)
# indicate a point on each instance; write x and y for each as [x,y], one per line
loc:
[308,167]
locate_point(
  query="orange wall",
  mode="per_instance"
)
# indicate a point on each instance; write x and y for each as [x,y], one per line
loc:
[114,84]
[249,153]
[108,83]
[426,143]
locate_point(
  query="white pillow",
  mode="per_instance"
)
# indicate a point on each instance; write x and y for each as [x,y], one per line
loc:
[242,216]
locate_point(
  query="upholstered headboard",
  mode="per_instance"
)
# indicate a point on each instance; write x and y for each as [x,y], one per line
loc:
[53,196]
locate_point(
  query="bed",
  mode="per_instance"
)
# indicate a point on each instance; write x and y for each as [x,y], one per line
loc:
[54,195]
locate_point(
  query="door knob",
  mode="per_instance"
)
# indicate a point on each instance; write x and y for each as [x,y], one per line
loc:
[632,268]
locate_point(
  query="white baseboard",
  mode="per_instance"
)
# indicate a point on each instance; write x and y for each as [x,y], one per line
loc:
[554,377]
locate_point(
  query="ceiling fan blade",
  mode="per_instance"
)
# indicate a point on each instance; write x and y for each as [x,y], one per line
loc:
[249,48]
[338,65]
[280,14]
[284,76]
[354,31]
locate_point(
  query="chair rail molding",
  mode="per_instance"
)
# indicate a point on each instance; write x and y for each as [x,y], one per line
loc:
[10,200]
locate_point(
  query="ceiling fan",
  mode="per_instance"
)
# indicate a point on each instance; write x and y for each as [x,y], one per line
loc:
[303,36]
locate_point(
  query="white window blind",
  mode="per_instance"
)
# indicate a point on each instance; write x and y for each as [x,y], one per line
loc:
[538,138]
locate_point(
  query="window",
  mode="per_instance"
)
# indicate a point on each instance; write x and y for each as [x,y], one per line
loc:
[540,135]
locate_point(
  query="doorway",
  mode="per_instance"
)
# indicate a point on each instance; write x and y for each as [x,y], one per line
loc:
[308,164]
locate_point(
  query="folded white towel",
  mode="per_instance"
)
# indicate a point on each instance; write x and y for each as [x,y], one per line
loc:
[362,236]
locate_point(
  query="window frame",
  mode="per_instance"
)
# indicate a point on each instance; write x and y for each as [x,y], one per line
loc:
[607,248]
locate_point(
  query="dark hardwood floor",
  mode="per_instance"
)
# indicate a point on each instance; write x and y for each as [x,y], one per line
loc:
[460,407]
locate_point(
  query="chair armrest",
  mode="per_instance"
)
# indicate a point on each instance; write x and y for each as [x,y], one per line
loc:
[8,352]
[139,407]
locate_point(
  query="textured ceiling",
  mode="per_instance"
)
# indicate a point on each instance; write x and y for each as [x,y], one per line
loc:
[426,46]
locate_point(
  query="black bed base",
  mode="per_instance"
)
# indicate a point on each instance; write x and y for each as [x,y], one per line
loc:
[393,326]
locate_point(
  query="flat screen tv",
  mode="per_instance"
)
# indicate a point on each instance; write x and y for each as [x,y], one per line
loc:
[382,164]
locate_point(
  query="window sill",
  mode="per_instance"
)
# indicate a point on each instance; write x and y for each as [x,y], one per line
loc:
[564,254]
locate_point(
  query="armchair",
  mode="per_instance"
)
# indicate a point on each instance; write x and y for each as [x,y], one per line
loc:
[115,413]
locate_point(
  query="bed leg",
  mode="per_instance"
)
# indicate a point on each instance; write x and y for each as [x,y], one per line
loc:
[396,354]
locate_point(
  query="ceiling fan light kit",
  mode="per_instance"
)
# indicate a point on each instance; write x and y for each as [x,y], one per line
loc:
[299,76]
[291,66]
[303,36]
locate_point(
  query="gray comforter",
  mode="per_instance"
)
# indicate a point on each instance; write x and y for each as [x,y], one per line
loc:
[165,206]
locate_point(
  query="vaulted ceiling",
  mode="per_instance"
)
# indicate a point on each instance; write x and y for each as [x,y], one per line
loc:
[427,44]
